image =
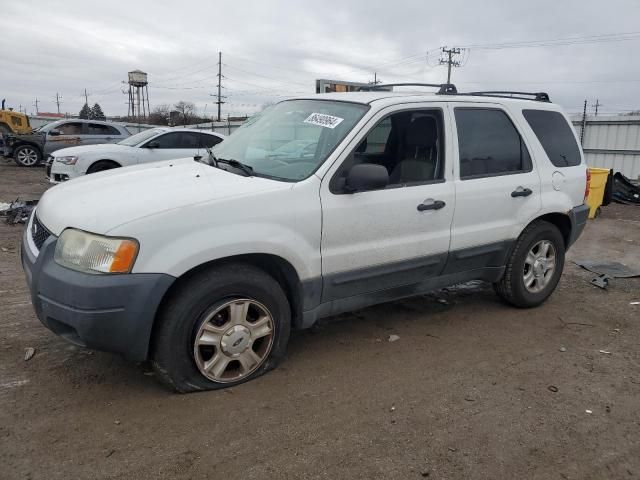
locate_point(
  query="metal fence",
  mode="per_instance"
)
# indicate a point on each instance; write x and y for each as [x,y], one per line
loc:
[611,141]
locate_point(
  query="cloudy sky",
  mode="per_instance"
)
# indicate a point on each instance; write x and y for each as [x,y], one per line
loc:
[575,50]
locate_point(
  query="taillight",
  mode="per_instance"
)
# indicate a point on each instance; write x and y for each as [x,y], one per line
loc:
[588,185]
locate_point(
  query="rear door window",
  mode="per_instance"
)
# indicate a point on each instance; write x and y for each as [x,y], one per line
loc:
[555,135]
[489,144]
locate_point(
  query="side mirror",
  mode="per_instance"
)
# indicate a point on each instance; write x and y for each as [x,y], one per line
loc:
[366,176]
[153,145]
[54,133]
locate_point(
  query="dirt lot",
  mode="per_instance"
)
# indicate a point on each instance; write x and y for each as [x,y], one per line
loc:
[468,391]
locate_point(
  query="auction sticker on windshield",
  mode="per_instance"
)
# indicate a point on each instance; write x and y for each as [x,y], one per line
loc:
[323,120]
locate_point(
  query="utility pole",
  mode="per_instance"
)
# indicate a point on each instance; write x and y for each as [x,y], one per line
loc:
[36,105]
[219,102]
[375,79]
[448,54]
[58,98]
[597,105]
[86,97]
[584,123]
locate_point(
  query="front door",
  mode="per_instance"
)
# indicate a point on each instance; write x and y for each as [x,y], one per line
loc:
[170,146]
[397,236]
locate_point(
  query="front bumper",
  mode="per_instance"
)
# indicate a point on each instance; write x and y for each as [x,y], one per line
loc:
[58,172]
[113,313]
[578,216]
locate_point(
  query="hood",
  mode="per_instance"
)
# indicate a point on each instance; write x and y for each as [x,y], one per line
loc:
[101,148]
[102,201]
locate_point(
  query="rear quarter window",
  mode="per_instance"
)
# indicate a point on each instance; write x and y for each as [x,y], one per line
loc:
[555,135]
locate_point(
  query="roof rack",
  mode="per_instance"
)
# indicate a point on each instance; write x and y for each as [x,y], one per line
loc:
[444,88]
[537,96]
[450,89]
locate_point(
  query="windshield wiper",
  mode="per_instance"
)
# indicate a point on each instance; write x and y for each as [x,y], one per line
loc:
[247,169]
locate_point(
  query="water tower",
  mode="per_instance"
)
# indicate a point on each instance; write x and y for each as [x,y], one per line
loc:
[138,89]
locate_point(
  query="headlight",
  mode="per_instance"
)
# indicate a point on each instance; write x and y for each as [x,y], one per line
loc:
[70,160]
[92,253]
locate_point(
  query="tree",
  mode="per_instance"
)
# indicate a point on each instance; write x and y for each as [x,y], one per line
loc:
[85,113]
[160,115]
[186,111]
[96,113]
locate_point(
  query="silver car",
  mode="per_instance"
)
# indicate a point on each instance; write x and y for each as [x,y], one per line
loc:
[29,149]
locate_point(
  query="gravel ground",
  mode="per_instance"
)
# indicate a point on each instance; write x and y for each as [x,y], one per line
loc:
[472,389]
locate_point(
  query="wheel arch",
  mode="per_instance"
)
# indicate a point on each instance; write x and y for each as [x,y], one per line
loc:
[104,160]
[277,267]
[561,221]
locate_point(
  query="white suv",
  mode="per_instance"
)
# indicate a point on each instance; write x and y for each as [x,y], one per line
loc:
[204,266]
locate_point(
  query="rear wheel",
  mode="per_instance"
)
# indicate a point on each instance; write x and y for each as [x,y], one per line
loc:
[222,327]
[101,166]
[535,266]
[27,156]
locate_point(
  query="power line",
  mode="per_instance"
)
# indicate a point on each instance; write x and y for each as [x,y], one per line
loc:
[219,102]
[58,101]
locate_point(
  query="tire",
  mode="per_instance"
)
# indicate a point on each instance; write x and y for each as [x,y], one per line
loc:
[27,156]
[101,166]
[519,269]
[180,362]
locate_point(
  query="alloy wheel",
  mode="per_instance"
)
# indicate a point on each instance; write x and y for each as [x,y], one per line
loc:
[539,266]
[233,339]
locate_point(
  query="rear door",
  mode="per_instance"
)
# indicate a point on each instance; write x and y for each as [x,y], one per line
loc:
[97,133]
[497,186]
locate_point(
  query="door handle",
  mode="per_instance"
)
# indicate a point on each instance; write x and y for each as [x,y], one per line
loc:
[433,205]
[521,192]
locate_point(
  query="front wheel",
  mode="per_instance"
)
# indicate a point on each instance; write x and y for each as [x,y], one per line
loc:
[223,327]
[534,267]
[27,156]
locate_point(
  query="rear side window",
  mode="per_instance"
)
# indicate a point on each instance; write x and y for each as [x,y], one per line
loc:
[489,144]
[208,140]
[555,135]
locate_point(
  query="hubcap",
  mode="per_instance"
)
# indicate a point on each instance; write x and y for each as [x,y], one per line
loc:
[27,156]
[233,340]
[539,266]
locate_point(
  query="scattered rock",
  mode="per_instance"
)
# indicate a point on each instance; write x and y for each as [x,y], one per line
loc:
[425,473]
[442,301]
[469,399]
[588,411]
[149,374]
[451,449]
[552,388]
[111,452]
[393,408]
[606,352]
[607,409]
[563,349]
[393,338]
[29,353]
[117,422]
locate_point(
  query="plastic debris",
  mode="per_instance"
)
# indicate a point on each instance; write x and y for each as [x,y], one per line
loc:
[18,211]
[588,411]
[393,338]
[605,352]
[29,353]
[601,281]
[611,269]
[393,408]
[634,303]
[442,301]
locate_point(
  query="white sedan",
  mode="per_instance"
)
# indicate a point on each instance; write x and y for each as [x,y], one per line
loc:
[148,146]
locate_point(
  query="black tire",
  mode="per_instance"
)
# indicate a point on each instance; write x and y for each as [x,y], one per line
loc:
[511,287]
[182,314]
[23,152]
[101,166]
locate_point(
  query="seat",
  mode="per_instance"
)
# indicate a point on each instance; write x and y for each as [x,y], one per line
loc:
[419,153]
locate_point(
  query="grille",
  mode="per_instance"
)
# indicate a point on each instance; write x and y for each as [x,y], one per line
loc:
[39,233]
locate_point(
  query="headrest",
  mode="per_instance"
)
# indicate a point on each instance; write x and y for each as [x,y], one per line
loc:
[422,132]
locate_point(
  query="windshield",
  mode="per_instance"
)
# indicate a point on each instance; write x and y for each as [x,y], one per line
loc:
[290,140]
[138,138]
